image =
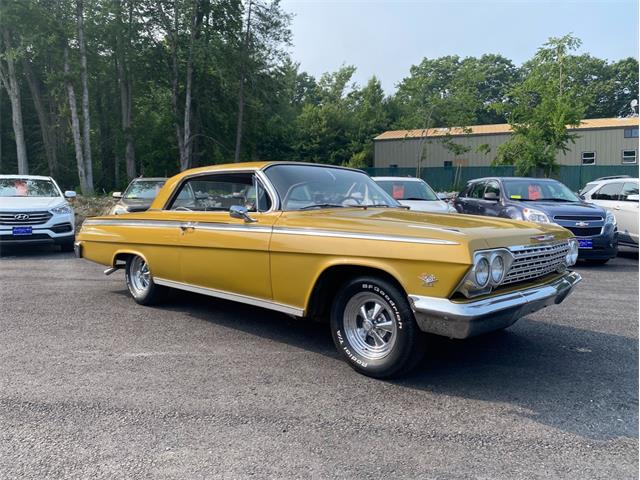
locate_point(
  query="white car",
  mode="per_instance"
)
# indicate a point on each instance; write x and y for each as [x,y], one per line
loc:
[414,193]
[620,197]
[33,210]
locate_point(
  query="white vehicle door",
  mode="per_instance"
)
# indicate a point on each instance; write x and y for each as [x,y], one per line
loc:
[607,196]
[626,211]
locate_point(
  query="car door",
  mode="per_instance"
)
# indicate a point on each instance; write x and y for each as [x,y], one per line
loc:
[608,196]
[626,212]
[218,252]
[491,208]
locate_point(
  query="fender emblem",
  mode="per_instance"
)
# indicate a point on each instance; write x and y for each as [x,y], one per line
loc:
[428,279]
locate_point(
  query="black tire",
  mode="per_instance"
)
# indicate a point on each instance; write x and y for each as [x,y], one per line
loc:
[152,294]
[67,246]
[408,348]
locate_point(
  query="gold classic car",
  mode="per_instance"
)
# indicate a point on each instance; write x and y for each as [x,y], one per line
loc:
[320,241]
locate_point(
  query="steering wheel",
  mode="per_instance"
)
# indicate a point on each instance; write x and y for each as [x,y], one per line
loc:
[358,201]
[182,209]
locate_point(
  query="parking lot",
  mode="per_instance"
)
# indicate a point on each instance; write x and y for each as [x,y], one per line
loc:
[93,385]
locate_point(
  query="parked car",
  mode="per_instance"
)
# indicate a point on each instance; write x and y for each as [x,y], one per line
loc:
[544,201]
[33,210]
[138,195]
[620,197]
[312,240]
[414,193]
[589,187]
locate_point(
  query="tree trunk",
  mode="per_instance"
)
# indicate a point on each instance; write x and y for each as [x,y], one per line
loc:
[245,54]
[35,86]
[9,79]
[124,81]
[86,130]
[75,125]
[175,91]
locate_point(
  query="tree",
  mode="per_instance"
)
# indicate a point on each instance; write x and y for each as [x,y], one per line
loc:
[9,55]
[542,107]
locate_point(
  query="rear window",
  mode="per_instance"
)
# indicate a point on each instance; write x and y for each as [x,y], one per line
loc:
[408,190]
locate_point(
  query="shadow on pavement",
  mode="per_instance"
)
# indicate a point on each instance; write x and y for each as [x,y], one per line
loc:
[577,381]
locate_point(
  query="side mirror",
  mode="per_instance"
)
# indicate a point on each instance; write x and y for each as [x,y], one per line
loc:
[240,212]
[69,194]
[116,194]
[492,196]
[633,198]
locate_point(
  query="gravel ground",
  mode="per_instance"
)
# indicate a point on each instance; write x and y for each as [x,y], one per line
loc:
[94,386]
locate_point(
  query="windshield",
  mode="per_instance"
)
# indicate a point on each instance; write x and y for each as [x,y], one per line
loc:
[302,187]
[408,190]
[143,189]
[26,187]
[538,190]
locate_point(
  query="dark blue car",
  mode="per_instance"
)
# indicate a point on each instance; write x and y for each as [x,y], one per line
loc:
[544,201]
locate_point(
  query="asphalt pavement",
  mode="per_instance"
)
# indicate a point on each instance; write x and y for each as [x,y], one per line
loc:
[93,385]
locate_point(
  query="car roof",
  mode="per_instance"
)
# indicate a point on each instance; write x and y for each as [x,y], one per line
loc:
[406,179]
[150,179]
[27,177]
[514,178]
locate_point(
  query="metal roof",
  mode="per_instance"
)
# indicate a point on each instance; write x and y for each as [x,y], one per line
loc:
[499,128]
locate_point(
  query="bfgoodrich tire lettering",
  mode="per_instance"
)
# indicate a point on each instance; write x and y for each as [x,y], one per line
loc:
[374,329]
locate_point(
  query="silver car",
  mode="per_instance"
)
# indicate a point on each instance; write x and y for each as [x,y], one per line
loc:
[414,193]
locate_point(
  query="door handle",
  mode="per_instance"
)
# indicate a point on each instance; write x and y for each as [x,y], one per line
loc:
[187,227]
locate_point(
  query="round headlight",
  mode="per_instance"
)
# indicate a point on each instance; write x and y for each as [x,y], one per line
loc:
[497,269]
[482,272]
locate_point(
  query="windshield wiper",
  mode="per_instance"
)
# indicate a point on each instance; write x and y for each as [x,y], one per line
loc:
[557,200]
[415,198]
[322,205]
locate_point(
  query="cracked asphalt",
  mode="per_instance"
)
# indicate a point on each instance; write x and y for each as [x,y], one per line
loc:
[94,386]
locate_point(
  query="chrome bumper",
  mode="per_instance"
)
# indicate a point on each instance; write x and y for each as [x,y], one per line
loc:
[77,249]
[441,316]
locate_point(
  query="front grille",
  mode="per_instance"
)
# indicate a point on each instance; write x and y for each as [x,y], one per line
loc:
[34,218]
[536,261]
[578,218]
[585,231]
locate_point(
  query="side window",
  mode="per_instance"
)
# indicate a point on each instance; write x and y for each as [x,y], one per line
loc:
[493,187]
[477,190]
[465,192]
[611,191]
[588,158]
[218,192]
[628,189]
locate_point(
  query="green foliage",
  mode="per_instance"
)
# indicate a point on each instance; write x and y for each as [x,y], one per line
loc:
[541,107]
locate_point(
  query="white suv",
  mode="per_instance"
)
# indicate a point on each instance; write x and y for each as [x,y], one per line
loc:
[618,195]
[33,210]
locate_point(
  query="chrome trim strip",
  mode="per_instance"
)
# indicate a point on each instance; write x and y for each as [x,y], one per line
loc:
[259,229]
[178,223]
[360,236]
[257,302]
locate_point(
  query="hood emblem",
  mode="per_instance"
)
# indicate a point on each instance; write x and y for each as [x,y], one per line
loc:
[428,279]
[21,216]
[543,238]
[582,224]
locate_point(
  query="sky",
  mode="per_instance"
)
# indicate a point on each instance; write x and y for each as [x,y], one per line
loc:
[385,37]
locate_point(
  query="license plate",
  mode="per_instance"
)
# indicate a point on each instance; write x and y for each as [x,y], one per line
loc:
[22,230]
[585,243]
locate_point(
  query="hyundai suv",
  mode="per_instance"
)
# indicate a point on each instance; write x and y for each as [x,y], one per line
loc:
[33,210]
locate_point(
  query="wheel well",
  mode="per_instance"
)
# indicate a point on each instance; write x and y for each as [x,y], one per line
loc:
[122,257]
[332,279]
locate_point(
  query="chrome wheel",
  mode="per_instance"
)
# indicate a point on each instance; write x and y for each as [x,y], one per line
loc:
[369,325]
[139,276]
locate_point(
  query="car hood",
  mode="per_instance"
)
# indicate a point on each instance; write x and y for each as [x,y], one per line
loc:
[478,232]
[561,208]
[136,204]
[25,204]
[437,206]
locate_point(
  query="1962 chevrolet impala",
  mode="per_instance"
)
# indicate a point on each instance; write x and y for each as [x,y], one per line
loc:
[316,241]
